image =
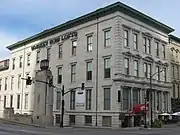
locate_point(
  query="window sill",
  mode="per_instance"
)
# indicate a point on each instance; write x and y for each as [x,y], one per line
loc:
[107,78]
[127,47]
[158,57]
[106,47]
[136,50]
[89,51]
[89,81]
[148,54]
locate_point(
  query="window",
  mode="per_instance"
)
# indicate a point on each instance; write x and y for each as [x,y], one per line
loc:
[126,66]
[136,96]
[89,43]
[126,38]
[0,84]
[38,57]
[174,91]
[13,63]
[147,70]
[164,51]
[164,74]
[72,100]
[59,79]
[88,99]
[173,72]
[60,54]
[157,48]
[28,59]
[27,75]
[107,98]
[72,120]
[107,68]
[119,96]
[165,97]
[19,81]
[107,38]
[158,73]
[49,53]
[5,87]
[4,101]
[136,70]
[177,72]
[74,46]
[11,101]
[12,82]
[26,101]
[158,101]
[20,62]
[73,73]
[58,118]
[88,120]
[58,100]
[178,91]
[106,121]
[147,45]
[126,98]
[89,70]
[135,41]
[18,101]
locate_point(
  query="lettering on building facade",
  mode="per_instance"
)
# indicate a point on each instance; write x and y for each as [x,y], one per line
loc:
[55,40]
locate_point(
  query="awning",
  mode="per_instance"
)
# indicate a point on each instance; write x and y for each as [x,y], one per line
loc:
[138,108]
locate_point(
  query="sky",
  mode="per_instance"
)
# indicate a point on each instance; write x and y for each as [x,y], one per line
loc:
[20,19]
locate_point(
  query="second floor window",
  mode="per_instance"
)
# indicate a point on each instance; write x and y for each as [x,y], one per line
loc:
[135,41]
[136,70]
[88,99]
[26,101]
[13,63]
[74,46]
[20,62]
[147,70]
[4,101]
[158,73]
[5,86]
[107,99]
[19,81]
[38,57]
[107,38]
[60,51]
[89,43]
[11,101]
[164,51]
[58,100]
[73,73]
[126,38]
[157,48]
[12,82]
[126,66]
[89,71]
[107,68]
[59,75]
[147,45]
[28,59]
[164,74]
[18,101]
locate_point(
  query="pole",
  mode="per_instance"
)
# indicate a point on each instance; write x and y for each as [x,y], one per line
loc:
[145,126]
[62,107]
[151,100]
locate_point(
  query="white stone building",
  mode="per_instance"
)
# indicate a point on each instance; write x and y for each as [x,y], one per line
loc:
[113,50]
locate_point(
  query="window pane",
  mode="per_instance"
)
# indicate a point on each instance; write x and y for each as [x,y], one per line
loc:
[107,102]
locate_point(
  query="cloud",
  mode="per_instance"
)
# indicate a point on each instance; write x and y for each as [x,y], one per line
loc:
[6,39]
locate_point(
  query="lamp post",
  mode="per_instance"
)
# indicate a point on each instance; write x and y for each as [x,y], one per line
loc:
[44,65]
[150,83]
[145,97]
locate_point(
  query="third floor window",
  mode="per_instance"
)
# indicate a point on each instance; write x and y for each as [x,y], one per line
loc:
[147,45]
[147,70]
[107,68]
[89,43]
[13,63]
[28,59]
[59,75]
[20,62]
[135,41]
[89,70]
[164,51]
[60,51]
[107,38]
[74,46]
[157,48]
[158,73]
[126,38]
[126,66]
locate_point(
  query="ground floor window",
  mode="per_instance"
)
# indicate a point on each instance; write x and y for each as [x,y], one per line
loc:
[88,120]
[106,121]
[58,118]
[72,119]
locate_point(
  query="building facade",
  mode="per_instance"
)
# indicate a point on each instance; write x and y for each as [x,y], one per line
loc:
[114,51]
[174,54]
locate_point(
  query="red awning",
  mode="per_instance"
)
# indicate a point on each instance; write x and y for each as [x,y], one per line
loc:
[137,108]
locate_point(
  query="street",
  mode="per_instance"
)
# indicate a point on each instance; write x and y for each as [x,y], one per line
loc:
[6,129]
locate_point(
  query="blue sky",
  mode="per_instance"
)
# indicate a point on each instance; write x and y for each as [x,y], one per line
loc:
[22,18]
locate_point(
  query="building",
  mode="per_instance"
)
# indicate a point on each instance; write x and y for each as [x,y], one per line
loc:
[174,51]
[113,50]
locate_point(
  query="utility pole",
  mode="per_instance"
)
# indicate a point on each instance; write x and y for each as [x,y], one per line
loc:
[62,107]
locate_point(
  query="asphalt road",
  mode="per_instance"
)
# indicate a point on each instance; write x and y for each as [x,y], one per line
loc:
[6,129]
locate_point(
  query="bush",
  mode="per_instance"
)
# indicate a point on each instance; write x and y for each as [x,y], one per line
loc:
[157,124]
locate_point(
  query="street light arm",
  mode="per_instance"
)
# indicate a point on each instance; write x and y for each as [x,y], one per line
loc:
[156,73]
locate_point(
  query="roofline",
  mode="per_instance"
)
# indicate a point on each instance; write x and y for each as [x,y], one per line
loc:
[174,38]
[118,6]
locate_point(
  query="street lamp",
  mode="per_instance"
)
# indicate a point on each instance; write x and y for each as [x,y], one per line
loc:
[150,83]
[145,97]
